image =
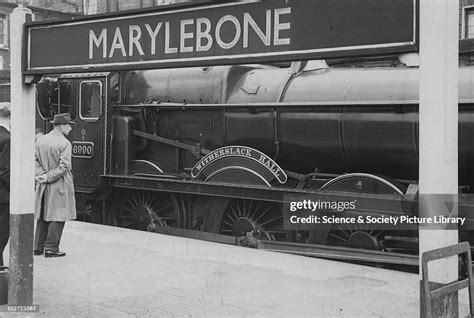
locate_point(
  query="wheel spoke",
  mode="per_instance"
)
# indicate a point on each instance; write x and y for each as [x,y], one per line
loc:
[238,210]
[135,200]
[264,213]
[228,224]
[130,203]
[249,209]
[256,210]
[227,215]
[148,197]
[166,207]
[380,233]
[157,204]
[128,209]
[236,216]
[247,215]
[343,231]
[337,237]
[272,220]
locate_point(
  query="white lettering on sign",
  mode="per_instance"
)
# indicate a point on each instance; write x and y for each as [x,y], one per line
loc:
[280,26]
[265,37]
[135,35]
[243,152]
[102,40]
[236,23]
[168,49]
[203,34]
[83,149]
[153,34]
[198,35]
[185,35]
[270,164]
[117,43]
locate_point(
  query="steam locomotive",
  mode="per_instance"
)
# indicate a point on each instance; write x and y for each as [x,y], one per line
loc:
[217,150]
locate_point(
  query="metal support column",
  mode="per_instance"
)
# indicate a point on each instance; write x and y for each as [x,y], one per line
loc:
[439,133]
[22,194]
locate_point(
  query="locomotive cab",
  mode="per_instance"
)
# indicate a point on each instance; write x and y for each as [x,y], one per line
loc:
[84,98]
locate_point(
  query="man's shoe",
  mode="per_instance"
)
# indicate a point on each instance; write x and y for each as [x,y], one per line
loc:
[54,254]
[38,252]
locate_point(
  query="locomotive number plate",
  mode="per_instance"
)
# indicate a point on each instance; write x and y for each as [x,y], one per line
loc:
[83,149]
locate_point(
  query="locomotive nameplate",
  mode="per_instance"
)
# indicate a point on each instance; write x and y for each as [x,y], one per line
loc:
[259,163]
[223,33]
[83,149]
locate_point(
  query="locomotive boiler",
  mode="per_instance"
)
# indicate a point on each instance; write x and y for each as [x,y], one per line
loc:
[329,119]
[216,149]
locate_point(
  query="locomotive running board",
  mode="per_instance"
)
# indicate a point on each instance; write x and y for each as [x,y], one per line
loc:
[312,250]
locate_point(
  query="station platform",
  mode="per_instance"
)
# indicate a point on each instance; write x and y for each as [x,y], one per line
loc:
[115,272]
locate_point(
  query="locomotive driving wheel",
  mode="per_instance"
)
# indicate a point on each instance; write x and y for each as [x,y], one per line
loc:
[263,219]
[146,210]
[368,236]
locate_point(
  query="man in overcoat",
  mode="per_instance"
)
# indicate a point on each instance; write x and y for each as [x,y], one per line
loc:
[4,177]
[55,202]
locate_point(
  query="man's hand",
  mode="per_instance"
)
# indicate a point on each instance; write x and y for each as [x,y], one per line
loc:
[41,179]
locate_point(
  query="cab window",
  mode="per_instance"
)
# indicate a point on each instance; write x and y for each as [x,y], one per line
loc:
[66,99]
[90,99]
[47,99]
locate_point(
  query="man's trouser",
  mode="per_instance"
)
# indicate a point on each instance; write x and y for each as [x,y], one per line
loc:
[48,234]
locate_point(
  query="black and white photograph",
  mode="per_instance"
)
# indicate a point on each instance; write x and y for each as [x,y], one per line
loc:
[252,158]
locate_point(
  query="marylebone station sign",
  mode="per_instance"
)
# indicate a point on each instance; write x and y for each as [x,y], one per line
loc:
[222,33]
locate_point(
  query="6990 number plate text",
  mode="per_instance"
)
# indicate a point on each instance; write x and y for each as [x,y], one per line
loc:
[82,149]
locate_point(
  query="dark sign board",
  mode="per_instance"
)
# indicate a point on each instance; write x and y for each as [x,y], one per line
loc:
[225,33]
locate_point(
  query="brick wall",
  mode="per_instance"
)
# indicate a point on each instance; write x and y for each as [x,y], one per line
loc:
[102,6]
[69,6]
[129,5]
